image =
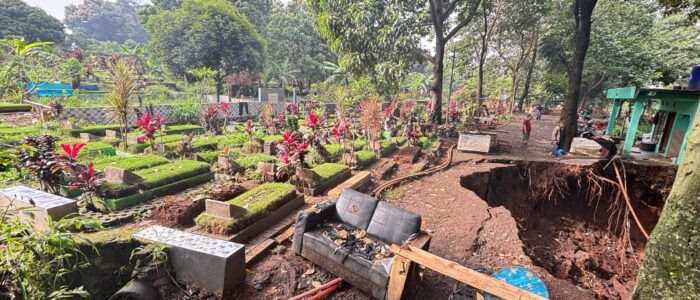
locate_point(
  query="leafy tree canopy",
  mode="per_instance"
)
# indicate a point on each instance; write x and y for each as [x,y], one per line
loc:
[201,33]
[19,19]
[106,21]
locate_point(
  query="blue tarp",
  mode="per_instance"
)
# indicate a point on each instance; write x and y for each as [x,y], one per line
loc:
[45,89]
[522,278]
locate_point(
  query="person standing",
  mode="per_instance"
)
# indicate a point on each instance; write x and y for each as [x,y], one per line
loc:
[527,128]
[558,140]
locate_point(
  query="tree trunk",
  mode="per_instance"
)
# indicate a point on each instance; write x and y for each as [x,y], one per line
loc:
[482,59]
[528,77]
[670,267]
[219,79]
[436,88]
[583,12]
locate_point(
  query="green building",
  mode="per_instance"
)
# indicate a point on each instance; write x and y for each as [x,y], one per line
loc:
[676,113]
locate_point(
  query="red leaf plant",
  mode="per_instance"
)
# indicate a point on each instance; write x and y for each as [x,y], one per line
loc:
[224,107]
[86,180]
[72,150]
[150,125]
[250,130]
[291,154]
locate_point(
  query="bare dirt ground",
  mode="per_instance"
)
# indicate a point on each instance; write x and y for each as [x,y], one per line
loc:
[467,230]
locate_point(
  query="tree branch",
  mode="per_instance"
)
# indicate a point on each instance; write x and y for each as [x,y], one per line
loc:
[472,13]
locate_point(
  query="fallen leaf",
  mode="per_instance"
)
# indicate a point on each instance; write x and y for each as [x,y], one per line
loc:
[343,234]
[360,234]
[309,272]
[315,283]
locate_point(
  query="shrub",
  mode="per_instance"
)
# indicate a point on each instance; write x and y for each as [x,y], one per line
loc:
[251,161]
[259,202]
[130,163]
[334,151]
[358,145]
[329,170]
[366,158]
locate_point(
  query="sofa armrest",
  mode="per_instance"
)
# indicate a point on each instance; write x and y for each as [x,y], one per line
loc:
[308,219]
[420,240]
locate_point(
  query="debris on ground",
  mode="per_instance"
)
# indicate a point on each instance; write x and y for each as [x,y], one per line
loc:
[355,241]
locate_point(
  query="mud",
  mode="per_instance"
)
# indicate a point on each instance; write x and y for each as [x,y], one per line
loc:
[177,211]
[574,224]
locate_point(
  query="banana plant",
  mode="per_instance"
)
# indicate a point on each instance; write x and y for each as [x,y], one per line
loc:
[16,68]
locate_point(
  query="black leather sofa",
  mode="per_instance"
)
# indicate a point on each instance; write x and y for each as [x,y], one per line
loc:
[382,220]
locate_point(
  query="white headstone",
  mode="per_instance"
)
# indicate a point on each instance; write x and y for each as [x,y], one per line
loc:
[474,143]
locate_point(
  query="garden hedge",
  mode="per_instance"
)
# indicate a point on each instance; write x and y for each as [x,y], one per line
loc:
[155,177]
[334,151]
[181,129]
[366,158]
[133,163]
[259,202]
[6,107]
[233,140]
[121,203]
[95,129]
[327,171]
[358,145]
[251,161]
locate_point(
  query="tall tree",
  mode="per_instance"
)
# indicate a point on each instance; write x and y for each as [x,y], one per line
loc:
[489,15]
[106,21]
[19,19]
[382,37]
[211,34]
[583,16]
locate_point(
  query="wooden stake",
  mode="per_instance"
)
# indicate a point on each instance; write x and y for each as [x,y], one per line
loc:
[465,275]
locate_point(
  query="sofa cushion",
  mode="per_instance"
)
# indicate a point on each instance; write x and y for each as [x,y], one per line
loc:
[393,224]
[355,208]
[376,271]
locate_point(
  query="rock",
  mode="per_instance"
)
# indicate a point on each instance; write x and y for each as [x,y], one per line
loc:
[117,175]
[562,271]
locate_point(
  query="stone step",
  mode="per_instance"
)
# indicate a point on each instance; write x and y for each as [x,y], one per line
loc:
[356,182]
[41,204]
[213,264]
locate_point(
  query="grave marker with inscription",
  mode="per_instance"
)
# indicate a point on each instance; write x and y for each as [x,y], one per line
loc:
[41,204]
[474,143]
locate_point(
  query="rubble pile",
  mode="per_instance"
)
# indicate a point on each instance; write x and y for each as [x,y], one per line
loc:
[355,241]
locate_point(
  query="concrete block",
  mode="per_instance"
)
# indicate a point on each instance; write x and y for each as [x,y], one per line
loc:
[39,203]
[89,137]
[585,146]
[222,209]
[133,140]
[212,264]
[117,175]
[113,134]
[474,143]
[356,182]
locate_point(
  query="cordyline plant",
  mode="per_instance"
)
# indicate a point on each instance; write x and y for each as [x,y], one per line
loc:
[82,177]
[151,126]
[210,119]
[122,85]
[341,132]
[224,107]
[250,130]
[371,120]
[291,154]
[267,119]
[37,155]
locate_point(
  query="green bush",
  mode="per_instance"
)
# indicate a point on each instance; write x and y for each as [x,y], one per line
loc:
[358,145]
[386,144]
[251,161]
[272,138]
[366,158]
[327,171]
[156,176]
[259,202]
[187,128]
[401,141]
[233,140]
[335,151]
[130,163]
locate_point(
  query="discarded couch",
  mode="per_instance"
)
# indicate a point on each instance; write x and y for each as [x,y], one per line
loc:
[381,220]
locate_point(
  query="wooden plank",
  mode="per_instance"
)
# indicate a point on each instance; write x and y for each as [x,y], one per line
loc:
[397,277]
[258,249]
[284,235]
[463,274]
[356,182]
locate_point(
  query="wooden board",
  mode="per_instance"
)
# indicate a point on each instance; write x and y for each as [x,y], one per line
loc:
[474,143]
[355,182]
[463,274]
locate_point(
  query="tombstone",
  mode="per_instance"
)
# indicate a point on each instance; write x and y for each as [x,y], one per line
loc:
[271,95]
[133,140]
[306,175]
[226,164]
[161,148]
[268,170]
[585,146]
[474,143]
[112,134]
[349,159]
[223,210]
[163,127]
[121,176]
[214,265]
[88,137]
[40,204]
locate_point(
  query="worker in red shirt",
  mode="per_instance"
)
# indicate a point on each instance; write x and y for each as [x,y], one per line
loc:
[527,128]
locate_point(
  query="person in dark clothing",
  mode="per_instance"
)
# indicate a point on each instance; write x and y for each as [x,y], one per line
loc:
[241,106]
[558,140]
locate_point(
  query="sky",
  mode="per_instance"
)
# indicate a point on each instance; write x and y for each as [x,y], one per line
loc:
[54,7]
